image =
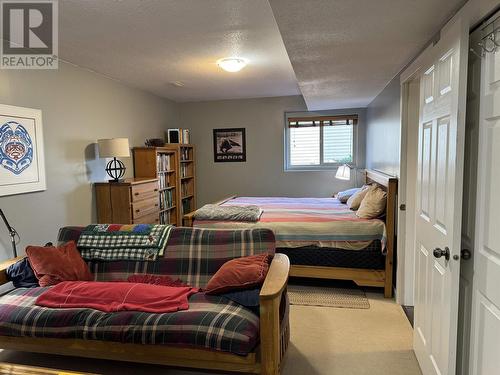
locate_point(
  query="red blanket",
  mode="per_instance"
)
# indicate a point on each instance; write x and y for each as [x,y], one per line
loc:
[116,296]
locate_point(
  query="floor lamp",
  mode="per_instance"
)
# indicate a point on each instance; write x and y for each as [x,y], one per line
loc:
[12,232]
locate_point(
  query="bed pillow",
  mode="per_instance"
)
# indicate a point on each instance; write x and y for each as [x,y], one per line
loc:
[354,201]
[240,273]
[373,204]
[55,264]
[343,196]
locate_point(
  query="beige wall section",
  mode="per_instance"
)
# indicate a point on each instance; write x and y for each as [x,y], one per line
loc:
[78,107]
[263,174]
[383,130]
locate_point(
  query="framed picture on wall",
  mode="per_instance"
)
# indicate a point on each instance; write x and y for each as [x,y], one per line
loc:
[229,145]
[22,164]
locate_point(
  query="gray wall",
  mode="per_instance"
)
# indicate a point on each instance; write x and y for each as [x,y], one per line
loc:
[263,173]
[383,130]
[78,107]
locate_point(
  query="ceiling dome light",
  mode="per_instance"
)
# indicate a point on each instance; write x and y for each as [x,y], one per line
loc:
[232,64]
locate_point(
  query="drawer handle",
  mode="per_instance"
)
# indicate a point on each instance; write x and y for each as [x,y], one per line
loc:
[156,190]
[136,193]
[137,210]
[156,204]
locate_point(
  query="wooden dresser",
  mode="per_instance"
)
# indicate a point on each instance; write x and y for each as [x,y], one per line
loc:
[134,201]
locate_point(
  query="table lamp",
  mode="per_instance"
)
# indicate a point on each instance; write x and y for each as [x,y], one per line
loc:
[113,148]
[344,173]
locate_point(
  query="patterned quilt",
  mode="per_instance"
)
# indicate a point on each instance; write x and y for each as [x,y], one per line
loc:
[212,322]
[298,222]
[120,241]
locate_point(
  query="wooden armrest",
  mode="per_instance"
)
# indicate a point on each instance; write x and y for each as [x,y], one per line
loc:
[272,344]
[277,277]
[6,264]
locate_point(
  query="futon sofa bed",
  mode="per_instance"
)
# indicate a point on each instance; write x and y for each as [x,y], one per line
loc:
[214,333]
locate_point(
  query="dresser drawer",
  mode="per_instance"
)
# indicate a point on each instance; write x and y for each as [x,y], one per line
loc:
[145,207]
[148,219]
[144,191]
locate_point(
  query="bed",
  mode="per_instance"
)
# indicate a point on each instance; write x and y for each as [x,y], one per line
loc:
[323,238]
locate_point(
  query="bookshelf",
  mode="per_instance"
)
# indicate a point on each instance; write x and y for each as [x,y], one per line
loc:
[161,163]
[187,176]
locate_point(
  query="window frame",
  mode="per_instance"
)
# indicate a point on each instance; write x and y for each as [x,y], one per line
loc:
[322,166]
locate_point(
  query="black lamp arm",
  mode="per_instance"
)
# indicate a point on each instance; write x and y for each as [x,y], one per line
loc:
[12,232]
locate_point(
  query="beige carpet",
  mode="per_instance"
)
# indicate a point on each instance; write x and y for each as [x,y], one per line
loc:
[324,341]
[352,298]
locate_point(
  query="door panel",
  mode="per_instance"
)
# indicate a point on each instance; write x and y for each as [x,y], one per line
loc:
[439,201]
[485,321]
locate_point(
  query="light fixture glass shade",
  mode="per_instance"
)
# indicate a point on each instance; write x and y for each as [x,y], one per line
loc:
[113,148]
[232,64]
[343,172]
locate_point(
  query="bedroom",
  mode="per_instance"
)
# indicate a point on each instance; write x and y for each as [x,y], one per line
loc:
[133,69]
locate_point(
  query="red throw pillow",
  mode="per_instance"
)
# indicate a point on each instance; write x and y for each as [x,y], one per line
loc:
[55,264]
[239,273]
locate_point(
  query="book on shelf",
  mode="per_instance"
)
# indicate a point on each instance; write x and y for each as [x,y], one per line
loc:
[185,153]
[163,162]
[184,170]
[186,206]
[185,191]
[166,199]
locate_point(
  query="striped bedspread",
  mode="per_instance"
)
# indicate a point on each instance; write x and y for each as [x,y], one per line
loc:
[296,222]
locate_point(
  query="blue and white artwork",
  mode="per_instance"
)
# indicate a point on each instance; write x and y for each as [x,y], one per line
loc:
[16,147]
[22,168]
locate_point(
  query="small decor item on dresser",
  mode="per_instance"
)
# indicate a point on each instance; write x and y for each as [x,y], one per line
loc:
[230,145]
[113,148]
[22,166]
[154,142]
[173,136]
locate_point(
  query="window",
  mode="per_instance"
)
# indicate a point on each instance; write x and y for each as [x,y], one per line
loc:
[320,142]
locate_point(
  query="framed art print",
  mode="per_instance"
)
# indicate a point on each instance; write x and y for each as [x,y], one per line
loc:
[229,145]
[22,165]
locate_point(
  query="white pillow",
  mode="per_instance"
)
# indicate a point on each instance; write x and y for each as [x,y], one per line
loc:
[354,201]
[373,204]
[343,196]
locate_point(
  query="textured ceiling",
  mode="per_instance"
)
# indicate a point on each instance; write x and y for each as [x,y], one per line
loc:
[344,52]
[150,44]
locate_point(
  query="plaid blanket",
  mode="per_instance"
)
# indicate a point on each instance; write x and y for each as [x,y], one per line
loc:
[117,241]
[193,255]
[299,222]
[212,322]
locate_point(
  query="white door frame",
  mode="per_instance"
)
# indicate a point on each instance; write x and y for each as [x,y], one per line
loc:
[405,270]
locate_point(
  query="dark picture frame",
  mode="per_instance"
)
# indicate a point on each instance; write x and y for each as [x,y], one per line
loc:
[229,145]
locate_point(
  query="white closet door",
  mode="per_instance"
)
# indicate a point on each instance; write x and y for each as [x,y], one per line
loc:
[485,326]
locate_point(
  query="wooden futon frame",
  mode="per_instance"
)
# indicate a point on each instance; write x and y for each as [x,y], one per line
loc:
[266,359]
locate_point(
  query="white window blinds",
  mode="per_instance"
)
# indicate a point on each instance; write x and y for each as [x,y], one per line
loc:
[322,140]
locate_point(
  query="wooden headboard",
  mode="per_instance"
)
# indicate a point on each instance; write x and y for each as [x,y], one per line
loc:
[390,185]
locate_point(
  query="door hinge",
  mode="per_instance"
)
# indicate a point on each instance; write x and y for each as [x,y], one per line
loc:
[402,207]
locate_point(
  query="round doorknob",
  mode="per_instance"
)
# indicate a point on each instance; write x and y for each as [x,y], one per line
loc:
[465,254]
[438,253]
